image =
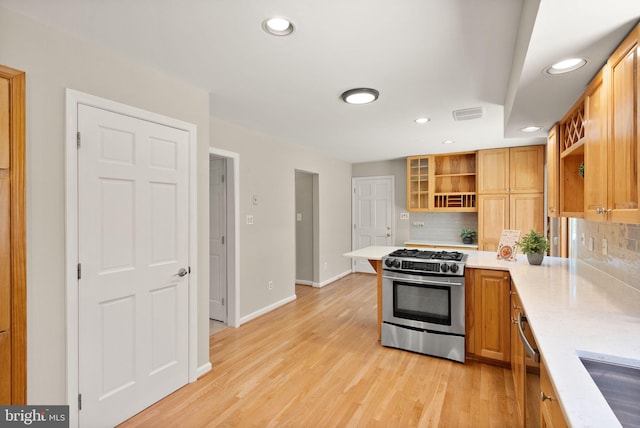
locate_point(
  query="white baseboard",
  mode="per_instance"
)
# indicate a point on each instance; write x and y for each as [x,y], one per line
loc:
[304,282]
[330,280]
[266,309]
[203,369]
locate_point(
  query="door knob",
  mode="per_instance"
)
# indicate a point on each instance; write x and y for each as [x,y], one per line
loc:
[182,272]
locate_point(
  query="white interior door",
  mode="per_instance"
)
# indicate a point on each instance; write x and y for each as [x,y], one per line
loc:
[133,242]
[372,215]
[217,241]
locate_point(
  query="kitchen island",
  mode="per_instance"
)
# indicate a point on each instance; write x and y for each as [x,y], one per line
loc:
[574,310]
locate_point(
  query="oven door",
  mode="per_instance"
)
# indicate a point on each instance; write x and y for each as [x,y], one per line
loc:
[426,302]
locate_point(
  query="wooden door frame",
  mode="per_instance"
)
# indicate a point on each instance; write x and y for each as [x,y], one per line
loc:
[17,143]
[73,99]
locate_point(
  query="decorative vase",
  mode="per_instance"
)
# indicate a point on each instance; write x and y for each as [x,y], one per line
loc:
[535,258]
[467,240]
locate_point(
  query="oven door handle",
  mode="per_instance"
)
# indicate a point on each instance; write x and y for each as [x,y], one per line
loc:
[533,353]
[428,281]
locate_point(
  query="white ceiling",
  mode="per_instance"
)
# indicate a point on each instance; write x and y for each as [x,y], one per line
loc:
[426,57]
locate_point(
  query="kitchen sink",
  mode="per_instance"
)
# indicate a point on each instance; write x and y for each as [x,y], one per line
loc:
[620,386]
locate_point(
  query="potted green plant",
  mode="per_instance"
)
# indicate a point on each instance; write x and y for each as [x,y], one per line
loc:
[534,245]
[467,235]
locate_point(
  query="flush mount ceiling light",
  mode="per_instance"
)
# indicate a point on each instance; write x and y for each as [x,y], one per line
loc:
[422,120]
[531,129]
[565,66]
[360,96]
[448,142]
[277,26]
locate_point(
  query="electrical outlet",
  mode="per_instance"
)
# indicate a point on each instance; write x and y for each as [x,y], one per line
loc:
[326,265]
[404,216]
[418,223]
[582,240]
[591,244]
[249,219]
[270,285]
[605,248]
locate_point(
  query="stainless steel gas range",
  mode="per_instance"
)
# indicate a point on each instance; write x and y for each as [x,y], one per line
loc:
[423,302]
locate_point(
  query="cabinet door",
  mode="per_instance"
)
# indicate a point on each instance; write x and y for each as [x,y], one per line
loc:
[553,174]
[492,326]
[526,212]
[624,179]
[419,183]
[596,147]
[526,169]
[518,367]
[493,218]
[551,415]
[493,171]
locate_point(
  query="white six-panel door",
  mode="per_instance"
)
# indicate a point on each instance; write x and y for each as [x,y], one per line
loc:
[133,239]
[372,215]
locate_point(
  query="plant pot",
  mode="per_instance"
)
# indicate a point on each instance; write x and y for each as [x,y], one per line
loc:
[535,258]
[467,240]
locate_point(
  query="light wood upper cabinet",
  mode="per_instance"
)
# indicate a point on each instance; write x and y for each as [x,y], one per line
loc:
[624,156]
[553,174]
[511,170]
[526,169]
[419,182]
[596,147]
[493,171]
[442,182]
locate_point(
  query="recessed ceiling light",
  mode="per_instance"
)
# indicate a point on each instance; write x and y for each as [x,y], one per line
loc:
[422,120]
[448,142]
[360,96]
[531,129]
[277,26]
[565,66]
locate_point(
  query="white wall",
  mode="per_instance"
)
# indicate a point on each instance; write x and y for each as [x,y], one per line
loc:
[267,248]
[54,61]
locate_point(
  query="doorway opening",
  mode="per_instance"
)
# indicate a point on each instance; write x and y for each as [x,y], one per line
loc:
[307,242]
[224,272]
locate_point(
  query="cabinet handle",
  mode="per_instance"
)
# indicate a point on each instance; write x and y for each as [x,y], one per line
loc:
[598,210]
[544,396]
[516,306]
[609,211]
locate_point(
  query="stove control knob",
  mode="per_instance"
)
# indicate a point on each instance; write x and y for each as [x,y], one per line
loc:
[454,268]
[444,268]
[396,264]
[388,262]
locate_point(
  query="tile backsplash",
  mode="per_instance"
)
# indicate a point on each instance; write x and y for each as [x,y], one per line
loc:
[622,260]
[441,227]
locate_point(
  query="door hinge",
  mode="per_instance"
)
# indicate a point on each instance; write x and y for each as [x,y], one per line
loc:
[354,226]
[223,301]
[189,269]
[79,271]
[78,138]
[79,401]
[222,240]
[222,178]
[354,190]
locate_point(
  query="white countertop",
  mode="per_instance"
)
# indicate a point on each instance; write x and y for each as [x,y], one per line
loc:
[371,253]
[572,309]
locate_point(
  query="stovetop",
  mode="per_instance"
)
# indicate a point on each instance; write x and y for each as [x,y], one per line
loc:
[428,254]
[412,260]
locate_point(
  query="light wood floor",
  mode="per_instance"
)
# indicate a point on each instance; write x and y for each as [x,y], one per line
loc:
[316,362]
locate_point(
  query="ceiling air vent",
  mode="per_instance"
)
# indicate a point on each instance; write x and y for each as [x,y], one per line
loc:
[468,113]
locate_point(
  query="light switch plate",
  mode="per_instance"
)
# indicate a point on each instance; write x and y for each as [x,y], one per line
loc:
[404,216]
[605,247]
[249,219]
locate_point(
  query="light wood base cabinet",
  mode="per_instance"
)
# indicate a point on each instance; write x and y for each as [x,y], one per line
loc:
[488,306]
[551,415]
